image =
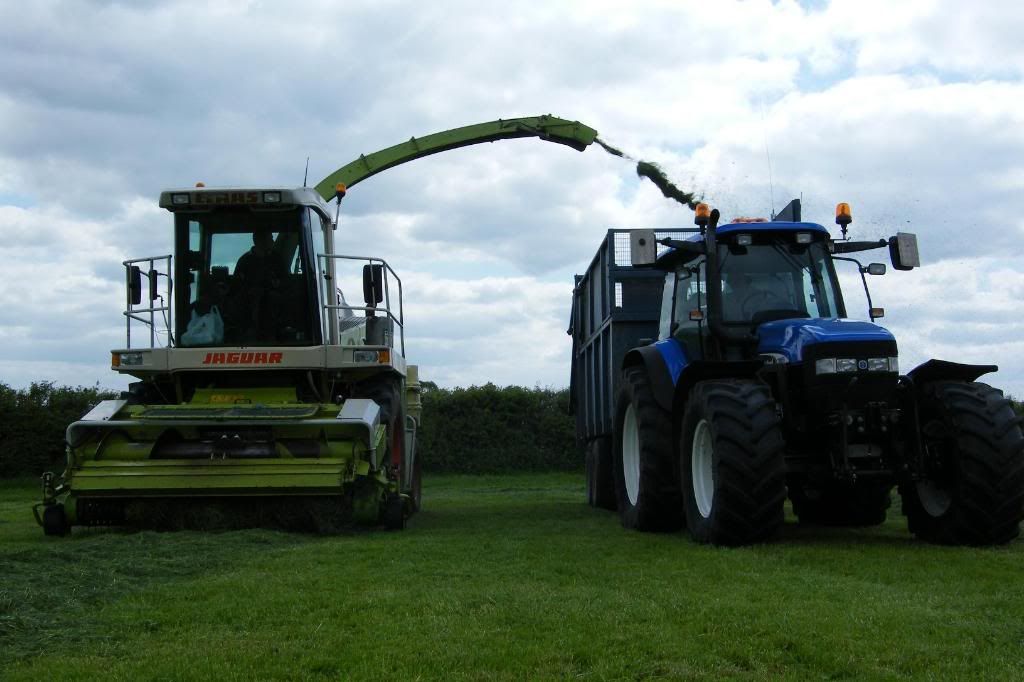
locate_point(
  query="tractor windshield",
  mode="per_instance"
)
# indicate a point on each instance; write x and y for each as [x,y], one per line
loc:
[776,278]
[246,278]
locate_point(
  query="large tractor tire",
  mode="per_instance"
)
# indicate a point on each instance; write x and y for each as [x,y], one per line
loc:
[972,489]
[836,504]
[646,488]
[600,478]
[731,463]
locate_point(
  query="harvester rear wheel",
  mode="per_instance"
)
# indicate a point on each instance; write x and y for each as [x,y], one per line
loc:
[645,485]
[731,463]
[55,521]
[863,504]
[972,492]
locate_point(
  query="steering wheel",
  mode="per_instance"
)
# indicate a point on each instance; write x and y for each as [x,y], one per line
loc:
[763,299]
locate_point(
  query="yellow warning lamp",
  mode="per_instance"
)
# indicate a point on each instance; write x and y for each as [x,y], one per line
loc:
[339,190]
[843,214]
[701,214]
[200,184]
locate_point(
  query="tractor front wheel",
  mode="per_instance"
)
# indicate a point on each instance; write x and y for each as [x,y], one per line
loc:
[645,486]
[731,465]
[971,491]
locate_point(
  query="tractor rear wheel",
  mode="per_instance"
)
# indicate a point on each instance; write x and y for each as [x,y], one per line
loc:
[646,488]
[836,504]
[731,465]
[972,489]
[600,480]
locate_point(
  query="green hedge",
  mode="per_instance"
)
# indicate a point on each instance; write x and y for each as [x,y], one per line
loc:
[487,429]
[467,430]
[32,423]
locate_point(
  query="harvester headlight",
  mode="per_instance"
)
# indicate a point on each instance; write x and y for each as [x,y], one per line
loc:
[846,365]
[878,364]
[803,237]
[825,366]
[180,199]
[364,356]
[272,197]
[129,359]
[744,239]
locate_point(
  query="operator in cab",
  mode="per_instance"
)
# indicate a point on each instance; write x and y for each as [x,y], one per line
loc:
[257,277]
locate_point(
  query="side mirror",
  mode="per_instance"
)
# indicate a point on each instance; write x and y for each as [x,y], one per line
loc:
[903,251]
[135,284]
[643,247]
[373,284]
[875,269]
[154,287]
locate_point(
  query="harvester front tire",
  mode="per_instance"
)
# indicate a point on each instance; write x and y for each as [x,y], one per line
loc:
[394,513]
[731,463]
[863,504]
[973,490]
[646,488]
[600,478]
[55,521]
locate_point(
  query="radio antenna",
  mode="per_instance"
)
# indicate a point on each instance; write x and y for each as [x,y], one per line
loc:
[771,183]
[306,175]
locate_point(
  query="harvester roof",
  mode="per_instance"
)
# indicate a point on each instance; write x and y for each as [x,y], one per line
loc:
[204,198]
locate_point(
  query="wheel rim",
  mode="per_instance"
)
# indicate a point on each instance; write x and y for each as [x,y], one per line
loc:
[631,455]
[701,468]
[935,499]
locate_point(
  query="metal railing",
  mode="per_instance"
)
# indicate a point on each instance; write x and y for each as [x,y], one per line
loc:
[147,315]
[325,271]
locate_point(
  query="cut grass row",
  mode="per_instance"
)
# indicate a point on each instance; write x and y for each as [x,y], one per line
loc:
[501,577]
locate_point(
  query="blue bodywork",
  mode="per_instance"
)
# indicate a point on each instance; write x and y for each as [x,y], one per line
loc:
[787,337]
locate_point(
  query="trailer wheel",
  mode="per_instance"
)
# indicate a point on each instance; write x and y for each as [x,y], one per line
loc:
[972,489]
[645,485]
[731,465]
[600,479]
[55,521]
[842,505]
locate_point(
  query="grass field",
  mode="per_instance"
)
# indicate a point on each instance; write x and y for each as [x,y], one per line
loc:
[508,577]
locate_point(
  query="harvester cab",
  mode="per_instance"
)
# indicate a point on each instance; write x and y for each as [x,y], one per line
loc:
[261,391]
[758,387]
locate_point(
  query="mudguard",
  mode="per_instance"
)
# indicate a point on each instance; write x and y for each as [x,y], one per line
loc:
[657,371]
[943,370]
[703,370]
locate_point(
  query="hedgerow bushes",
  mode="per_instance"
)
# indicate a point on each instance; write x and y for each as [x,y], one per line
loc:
[487,429]
[32,423]
[481,429]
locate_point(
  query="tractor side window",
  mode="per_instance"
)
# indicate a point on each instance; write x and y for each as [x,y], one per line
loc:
[689,297]
[665,326]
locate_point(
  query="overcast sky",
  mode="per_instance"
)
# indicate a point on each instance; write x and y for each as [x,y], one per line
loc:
[913,112]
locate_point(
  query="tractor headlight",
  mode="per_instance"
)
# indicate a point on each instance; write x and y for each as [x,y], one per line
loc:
[825,366]
[894,365]
[878,364]
[846,365]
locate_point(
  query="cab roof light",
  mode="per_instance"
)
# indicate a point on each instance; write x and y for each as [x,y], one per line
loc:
[803,237]
[843,214]
[744,239]
[180,199]
[701,214]
[272,197]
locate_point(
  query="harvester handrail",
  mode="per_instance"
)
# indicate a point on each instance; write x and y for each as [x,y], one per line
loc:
[386,310]
[148,315]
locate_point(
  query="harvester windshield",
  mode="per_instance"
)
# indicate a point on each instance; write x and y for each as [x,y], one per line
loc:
[776,278]
[252,270]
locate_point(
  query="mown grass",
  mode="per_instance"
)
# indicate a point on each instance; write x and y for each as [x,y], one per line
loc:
[508,577]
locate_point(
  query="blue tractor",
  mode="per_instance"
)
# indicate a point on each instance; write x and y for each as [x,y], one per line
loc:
[716,372]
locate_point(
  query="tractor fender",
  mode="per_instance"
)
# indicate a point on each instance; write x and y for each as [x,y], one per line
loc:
[943,370]
[651,359]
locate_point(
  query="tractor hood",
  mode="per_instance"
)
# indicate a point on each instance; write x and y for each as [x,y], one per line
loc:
[791,337]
